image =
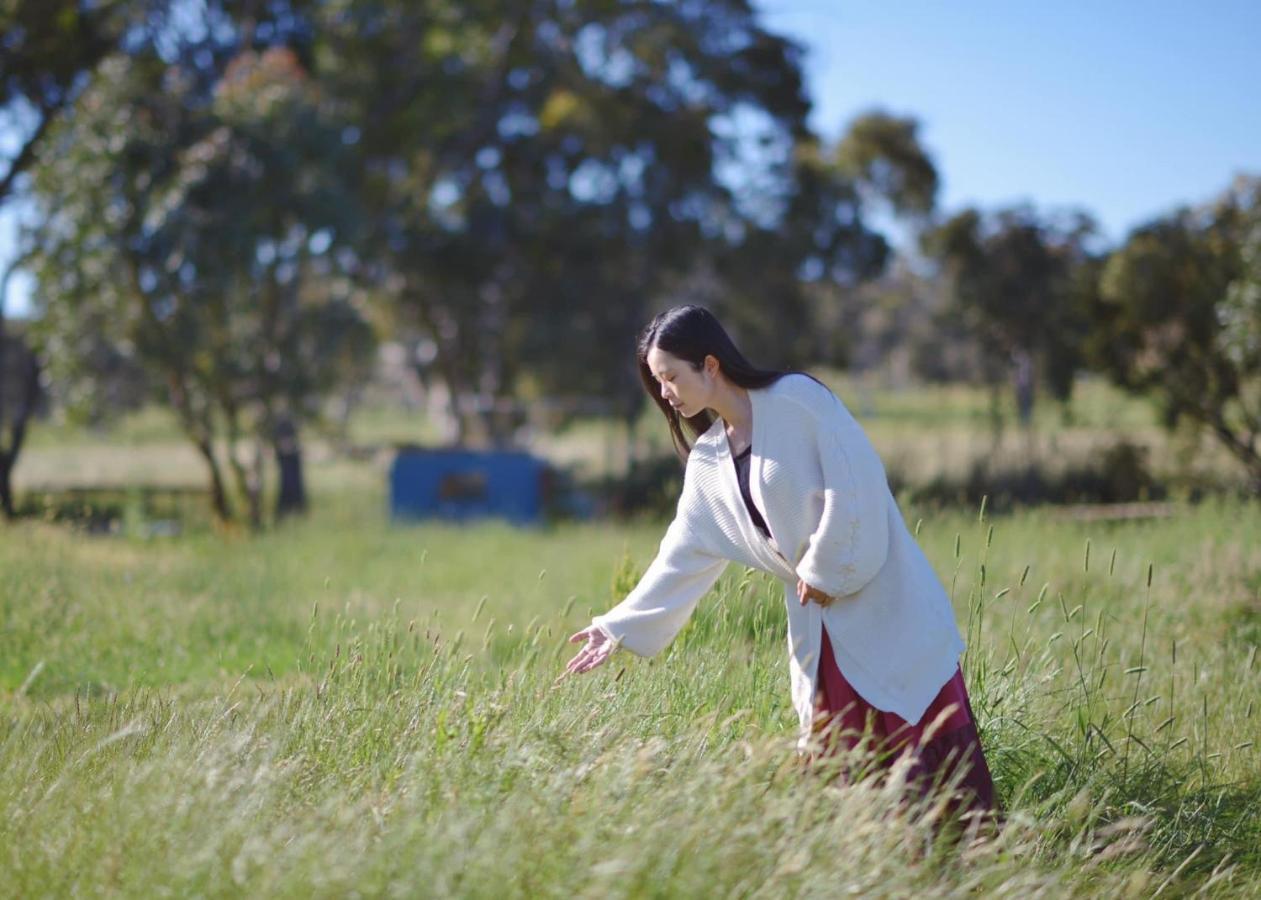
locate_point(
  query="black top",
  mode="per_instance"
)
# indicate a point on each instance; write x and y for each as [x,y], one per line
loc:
[742,474]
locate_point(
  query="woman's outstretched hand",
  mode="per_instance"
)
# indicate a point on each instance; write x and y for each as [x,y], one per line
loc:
[598,649]
[806,593]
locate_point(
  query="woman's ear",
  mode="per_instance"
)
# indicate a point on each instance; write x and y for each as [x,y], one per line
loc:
[712,367]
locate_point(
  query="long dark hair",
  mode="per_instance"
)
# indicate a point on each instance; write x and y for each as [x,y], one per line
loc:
[691,333]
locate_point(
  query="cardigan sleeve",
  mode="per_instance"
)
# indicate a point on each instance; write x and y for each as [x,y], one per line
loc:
[851,542]
[661,603]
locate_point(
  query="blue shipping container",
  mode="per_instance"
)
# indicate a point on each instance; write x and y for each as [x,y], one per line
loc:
[466,484]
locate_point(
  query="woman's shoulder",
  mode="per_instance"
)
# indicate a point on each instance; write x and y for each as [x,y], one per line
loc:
[802,390]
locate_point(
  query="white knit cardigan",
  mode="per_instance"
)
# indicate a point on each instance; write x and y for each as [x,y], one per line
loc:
[822,491]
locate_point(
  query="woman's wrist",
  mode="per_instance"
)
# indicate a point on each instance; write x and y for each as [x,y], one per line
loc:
[608,635]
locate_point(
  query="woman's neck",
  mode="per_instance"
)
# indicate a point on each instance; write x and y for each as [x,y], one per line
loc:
[732,404]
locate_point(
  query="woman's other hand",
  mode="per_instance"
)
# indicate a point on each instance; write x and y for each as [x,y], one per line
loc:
[598,649]
[806,593]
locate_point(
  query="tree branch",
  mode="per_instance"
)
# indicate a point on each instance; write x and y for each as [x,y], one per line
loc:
[27,154]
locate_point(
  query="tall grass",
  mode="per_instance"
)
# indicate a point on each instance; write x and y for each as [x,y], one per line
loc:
[341,707]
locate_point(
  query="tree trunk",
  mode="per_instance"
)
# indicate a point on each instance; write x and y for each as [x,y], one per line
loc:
[250,490]
[6,488]
[291,498]
[6,463]
[1243,449]
[463,418]
[17,430]
[995,416]
[218,494]
[1023,383]
[447,369]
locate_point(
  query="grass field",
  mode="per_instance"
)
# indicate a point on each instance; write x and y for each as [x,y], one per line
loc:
[344,707]
[340,707]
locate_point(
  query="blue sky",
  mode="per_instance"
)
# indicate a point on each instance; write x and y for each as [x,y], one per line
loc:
[1125,109]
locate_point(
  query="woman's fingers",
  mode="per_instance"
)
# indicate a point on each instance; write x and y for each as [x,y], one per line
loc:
[806,593]
[591,655]
[584,661]
[598,649]
[576,663]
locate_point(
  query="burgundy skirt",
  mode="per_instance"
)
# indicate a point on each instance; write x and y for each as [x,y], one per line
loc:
[943,745]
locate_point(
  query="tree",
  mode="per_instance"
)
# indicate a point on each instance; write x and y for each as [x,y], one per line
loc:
[1179,318]
[50,48]
[20,391]
[525,190]
[882,153]
[1021,283]
[547,179]
[877,163]
[48,51]
[196,217]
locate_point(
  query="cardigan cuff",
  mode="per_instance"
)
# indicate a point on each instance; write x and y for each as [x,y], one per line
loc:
[604,629]
[823,581]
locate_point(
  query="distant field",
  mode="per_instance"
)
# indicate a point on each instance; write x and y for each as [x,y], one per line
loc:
[341,706]
[922,433]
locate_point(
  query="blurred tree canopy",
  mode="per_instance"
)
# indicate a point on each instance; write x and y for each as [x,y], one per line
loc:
[48,50]
[1179,317]
[243,186]
[1022,285]
[883,154]
[543,177]
[195,217]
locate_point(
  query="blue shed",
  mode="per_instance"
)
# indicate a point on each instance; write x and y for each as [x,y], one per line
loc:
[466,484]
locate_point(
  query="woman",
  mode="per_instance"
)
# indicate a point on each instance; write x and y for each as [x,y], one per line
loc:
[782,478]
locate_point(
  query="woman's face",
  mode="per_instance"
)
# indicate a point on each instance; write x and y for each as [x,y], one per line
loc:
[685,388]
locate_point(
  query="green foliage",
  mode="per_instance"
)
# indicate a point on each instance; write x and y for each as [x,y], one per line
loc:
[199,232]
[49,49]
[1240,311]
[625,577]
[1178,318]
[543,181]
[1118,473]
[1022,284]
[650,487]
[519,190]
[883,152]
[553,166]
